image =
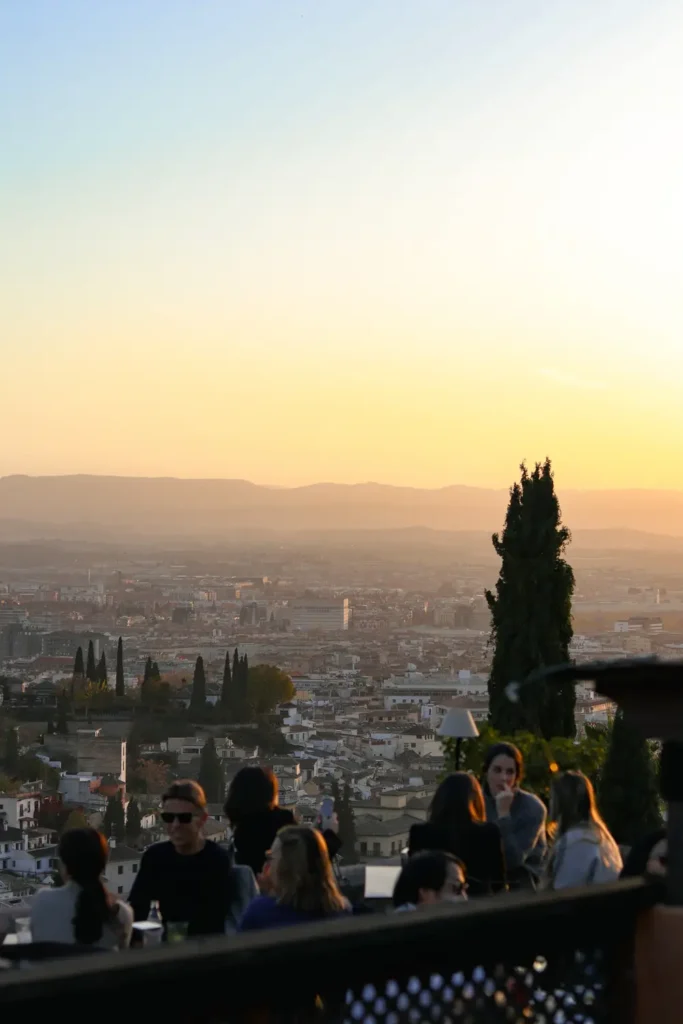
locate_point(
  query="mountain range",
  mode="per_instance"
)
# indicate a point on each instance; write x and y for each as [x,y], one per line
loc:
[164,506]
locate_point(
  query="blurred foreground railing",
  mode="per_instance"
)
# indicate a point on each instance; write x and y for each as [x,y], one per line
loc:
[562,957]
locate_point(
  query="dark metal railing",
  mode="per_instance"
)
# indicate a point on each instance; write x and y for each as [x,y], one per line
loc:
[565,957]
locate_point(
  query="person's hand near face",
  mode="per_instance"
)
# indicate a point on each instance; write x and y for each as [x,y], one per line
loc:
[501,778]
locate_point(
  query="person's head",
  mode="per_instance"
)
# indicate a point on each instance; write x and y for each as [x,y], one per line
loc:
[83,853]
[183,811]
[572,802]
[503,768]
[253,790]
[301,873]
[458,801]
[430,877]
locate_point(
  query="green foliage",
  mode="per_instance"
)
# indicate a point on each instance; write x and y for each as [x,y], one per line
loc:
[198,698]
[120,685]
[79,666]
[102,671]
[628,794]
[268,686]
[114,821]
[531,610]
[31,769]
[542,758]
[76,819]
[211,777]
[133,820]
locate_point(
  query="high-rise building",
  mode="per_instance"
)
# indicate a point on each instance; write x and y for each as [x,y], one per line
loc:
[325,614]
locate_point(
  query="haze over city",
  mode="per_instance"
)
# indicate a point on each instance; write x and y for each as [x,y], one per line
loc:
[292,243]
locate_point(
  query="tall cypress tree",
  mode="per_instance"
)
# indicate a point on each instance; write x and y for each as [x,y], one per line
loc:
[226,689]
[145,688]
[11,760]
[211,777]
[79,667]
[198,698]
[102,671]
[133,820]
[120,684]
[628,793]
[531,610]
[114,820]
[236,667]
[62,726]
[91,667]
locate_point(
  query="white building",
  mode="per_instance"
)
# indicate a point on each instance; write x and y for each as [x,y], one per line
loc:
[319,614]
[19,810]
[122,869]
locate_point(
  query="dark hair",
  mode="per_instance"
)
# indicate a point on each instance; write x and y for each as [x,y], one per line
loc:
[426,870]
[457,802]
[508,750]
[84,853]
[188,790]
[252,791]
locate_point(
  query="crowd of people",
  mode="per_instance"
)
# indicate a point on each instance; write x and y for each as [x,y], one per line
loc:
[480,839]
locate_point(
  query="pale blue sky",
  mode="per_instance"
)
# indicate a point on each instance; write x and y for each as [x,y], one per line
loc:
[346,205]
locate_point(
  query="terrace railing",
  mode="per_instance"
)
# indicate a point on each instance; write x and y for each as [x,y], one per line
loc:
[565,957]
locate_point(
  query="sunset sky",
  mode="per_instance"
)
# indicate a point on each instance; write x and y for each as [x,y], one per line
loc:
[411,241]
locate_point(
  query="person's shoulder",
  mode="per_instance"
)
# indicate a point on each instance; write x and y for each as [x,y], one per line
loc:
[532,803]
[282,817]
[214,852]
[262,909]
[157,852]
[124,914]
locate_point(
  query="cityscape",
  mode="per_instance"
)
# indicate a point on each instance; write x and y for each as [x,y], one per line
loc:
[341,511]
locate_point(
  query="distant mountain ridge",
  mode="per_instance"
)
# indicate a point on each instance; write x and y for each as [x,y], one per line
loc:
[214,508]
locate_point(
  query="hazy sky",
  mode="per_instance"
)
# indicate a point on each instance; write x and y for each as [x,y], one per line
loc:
[412,241]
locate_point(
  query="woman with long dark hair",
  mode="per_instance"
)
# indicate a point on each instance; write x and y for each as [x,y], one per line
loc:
[457,824]
[82,911]
[251,807]
[302,883]
[519,815]
[583,851]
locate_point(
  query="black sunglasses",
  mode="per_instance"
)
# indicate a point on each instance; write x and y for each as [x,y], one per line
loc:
[182,817]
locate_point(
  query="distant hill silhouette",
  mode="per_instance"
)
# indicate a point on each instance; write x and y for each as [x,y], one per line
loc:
[113,506]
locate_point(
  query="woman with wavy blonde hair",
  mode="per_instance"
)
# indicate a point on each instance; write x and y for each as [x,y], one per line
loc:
[303,888]
[583,851]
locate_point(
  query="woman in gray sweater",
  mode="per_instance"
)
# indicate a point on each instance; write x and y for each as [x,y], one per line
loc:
[520,816]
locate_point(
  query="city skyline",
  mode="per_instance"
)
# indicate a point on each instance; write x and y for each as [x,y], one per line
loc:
[410,244]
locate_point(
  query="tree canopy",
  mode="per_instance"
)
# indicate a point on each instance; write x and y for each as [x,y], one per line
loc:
[268,686]
[198,698]
[628,794]
[531,610]
[211,777]
[120,685]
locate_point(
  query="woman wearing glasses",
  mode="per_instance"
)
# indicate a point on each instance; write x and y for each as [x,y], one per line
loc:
[194,881]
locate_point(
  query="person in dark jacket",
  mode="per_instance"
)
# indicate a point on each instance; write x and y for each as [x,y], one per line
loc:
[252,809]
[457,824]
[520,816]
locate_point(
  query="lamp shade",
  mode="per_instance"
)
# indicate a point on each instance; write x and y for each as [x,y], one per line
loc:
[458,724]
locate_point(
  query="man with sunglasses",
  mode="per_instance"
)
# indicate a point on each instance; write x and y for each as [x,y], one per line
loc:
[194,881]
